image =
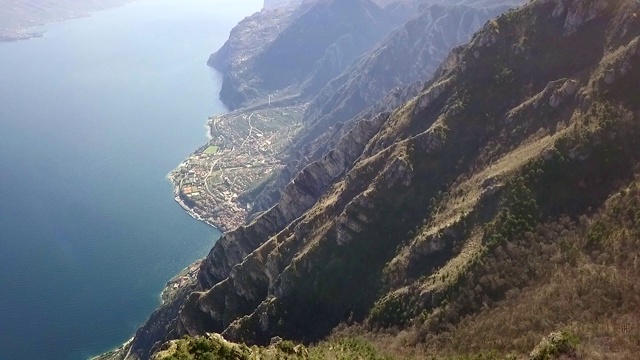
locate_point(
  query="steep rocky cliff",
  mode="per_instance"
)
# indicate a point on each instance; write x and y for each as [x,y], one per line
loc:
[410,53]
[470,214]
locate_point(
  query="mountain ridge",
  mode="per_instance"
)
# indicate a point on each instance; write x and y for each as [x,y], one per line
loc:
[271,69]
[351,93]
[432,218]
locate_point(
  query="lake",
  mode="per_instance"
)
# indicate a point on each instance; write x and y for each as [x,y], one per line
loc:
[93,116]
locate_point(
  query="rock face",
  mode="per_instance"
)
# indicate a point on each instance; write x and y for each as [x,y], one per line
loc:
[246,42]
[412,52]
[405,212]
[577,14]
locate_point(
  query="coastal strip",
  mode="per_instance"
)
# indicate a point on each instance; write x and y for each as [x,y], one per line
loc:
[8,36]
[18,19]
[244,148]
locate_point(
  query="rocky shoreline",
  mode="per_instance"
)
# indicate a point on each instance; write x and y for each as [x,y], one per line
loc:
[185,278]
[173,288]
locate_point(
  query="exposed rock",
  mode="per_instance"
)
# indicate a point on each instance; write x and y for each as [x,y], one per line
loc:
[559,96]
[428,97]
[617,67]
[225,268]
[412,52]
[404,60]
[580,12]
[609,76]
[490,187]
[330,140]
[275,340]
[353,208]
[576,12]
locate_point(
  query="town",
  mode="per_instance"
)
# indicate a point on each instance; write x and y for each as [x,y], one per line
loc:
[242,153]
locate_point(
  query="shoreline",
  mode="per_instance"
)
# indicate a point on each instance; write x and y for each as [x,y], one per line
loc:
[181,246]
[13,36]
[197,216]
[226,215]
[116,353]
[21,31]
[221,227]
[214,184]
[186,277]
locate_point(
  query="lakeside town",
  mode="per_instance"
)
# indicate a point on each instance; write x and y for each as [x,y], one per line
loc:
[242,153]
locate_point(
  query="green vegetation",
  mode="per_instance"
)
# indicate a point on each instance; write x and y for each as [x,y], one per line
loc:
[213,347]
[202,348]
[351,348]
[517,216]
[553,346]
[212,150]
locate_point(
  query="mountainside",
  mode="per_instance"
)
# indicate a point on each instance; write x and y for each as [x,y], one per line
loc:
[308,44]
[491,211]
[286,132]
[410,53]
[268,4]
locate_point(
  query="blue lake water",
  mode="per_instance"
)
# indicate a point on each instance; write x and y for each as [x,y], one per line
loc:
[92,118]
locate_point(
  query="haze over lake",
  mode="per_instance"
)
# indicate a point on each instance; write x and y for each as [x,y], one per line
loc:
[92,118]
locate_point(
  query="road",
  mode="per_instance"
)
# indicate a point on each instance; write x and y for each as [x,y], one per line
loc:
[206,183]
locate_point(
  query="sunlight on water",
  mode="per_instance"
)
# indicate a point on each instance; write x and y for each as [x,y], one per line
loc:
[92,118]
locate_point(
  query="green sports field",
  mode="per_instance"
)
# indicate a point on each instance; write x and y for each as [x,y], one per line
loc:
[212,150]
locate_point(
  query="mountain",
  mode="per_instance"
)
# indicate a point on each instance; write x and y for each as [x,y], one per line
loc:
[268,4]
[410,53]
[290,118]
[489,211]
[19,16]
[274,52]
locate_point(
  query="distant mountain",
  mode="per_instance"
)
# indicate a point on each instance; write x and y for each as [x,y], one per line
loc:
[274,52]
[17,17]
[268,4]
